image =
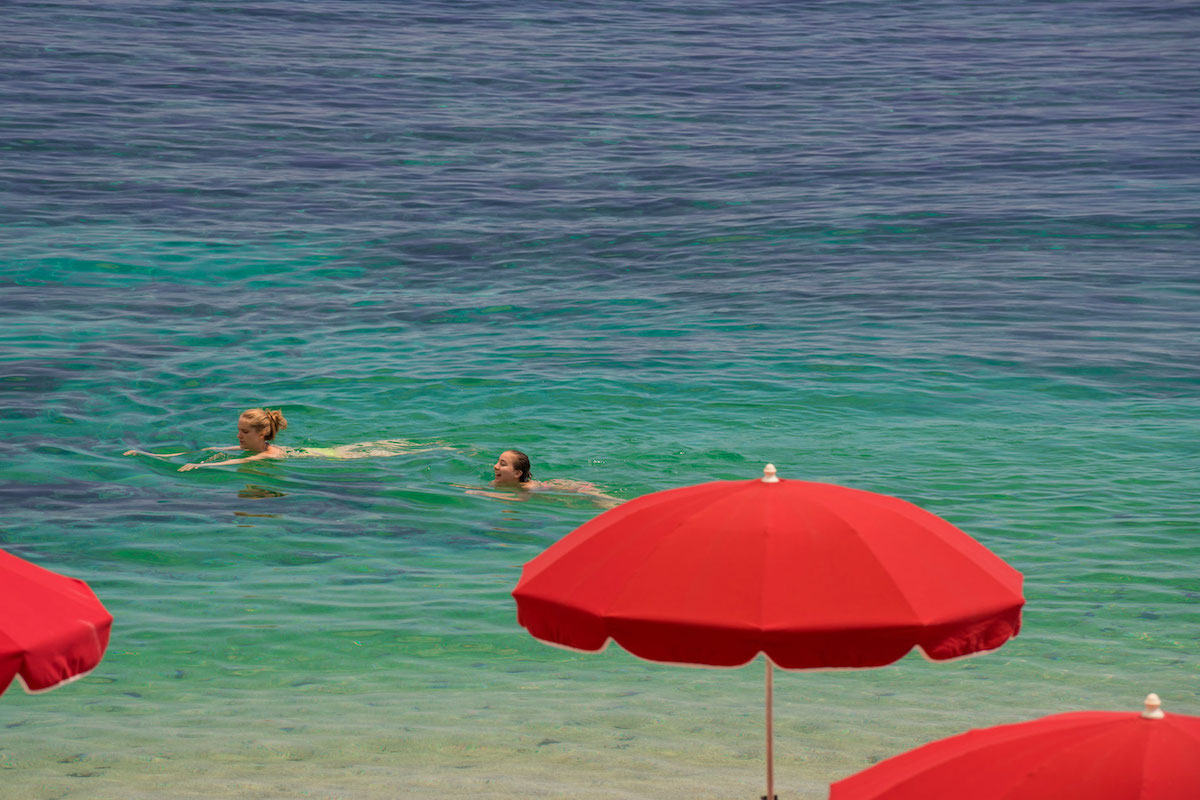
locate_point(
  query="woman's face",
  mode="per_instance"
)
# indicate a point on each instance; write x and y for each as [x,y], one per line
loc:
[250,437]
[504,470]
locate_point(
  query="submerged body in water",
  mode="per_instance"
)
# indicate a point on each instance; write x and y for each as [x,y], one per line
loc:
[380,449]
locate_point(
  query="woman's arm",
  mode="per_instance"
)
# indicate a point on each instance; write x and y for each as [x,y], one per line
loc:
[255,457]
[180,453]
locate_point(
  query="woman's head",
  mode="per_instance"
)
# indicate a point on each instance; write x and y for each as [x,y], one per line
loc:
[512,467]
[258,426]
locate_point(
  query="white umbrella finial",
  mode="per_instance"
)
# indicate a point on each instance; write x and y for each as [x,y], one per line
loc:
[1153,707]
[769,474]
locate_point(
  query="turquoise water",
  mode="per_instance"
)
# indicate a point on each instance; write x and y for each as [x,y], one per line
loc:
[944,253]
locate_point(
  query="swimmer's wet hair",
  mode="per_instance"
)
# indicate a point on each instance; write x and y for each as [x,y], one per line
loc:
[272,422]
[521,465]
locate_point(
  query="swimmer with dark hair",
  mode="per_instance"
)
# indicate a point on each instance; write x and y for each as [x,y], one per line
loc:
[512,470]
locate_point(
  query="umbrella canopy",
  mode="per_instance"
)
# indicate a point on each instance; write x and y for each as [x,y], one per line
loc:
[812,574]
[1088,755]
[52,628]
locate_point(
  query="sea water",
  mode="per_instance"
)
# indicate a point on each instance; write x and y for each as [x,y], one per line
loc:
[943,251]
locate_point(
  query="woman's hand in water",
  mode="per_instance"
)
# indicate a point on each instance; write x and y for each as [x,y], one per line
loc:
[154,455]
[231,461]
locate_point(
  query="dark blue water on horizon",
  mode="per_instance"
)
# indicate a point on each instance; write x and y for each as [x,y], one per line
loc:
[944,251]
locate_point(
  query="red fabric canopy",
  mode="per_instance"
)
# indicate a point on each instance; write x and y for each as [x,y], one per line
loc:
[1088,755]
[812,574]
[52,628]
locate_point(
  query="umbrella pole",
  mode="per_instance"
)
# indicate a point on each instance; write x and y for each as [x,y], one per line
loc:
[770,795]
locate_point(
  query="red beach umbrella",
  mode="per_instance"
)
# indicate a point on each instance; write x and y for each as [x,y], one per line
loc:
[1086,755]
[52,628]
[812,575]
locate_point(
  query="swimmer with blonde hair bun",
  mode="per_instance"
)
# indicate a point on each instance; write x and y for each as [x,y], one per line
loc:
[255,431]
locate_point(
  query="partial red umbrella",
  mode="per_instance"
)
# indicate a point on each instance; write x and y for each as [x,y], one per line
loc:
[52,628]
[810,574]
[1086,755]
